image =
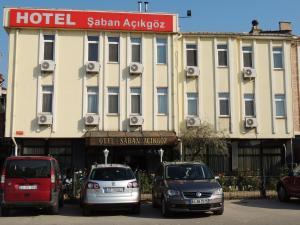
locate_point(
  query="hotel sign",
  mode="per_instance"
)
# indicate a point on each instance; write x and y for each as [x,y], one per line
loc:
[94,20]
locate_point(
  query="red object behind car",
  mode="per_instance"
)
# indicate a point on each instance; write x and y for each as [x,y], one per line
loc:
[31,181]
[289,186]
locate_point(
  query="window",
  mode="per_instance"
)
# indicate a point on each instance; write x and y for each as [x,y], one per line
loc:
[113,100]
[224,104]
[162,100]
[49,47]
[192,104]
[222,55]
[135,100]
[113,43]
[47,95]
[277,57]
[249,104]
[247,56]
[136,50]
[280,105]
[92,100]
[161,50]
[93,42]
[191,55]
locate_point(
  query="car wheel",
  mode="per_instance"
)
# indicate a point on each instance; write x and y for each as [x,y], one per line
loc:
[54,208]
[282,194]
[164,208]
[86,211]
[5,211]
[219,212]
[136,209]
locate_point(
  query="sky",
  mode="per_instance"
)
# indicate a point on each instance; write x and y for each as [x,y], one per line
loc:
[207,15]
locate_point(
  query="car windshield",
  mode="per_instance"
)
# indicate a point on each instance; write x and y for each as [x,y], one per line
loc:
[112,174]
[188,172]
[28,169]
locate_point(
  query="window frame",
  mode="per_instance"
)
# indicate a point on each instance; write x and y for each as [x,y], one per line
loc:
[53,47]
[252,56]
[113,93]
[46,92]
[222,50]
[276,52]
[249,99]
[114,43]
[140,103]
[132,43]
[92,93]
[188,99]
[167,103]
[88,47]
[162,44]
[224,98]
[191,49]
[280,98]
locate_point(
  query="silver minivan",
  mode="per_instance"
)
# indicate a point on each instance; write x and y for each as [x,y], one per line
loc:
[110,186]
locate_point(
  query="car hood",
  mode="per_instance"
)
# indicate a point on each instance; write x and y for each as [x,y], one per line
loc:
[193,185]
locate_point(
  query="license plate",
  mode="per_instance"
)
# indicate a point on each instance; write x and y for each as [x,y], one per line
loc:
[113,189]
[27,187]
[199,201]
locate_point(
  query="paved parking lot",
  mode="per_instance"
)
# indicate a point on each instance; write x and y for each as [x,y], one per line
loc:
[237,212]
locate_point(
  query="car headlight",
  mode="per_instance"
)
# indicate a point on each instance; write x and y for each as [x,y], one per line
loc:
[172,192]
[218,191]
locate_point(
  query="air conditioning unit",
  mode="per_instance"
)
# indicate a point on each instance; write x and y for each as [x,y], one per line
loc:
[136,68]
[45,119]
[192,122]
[92,67]
[91,119]
[250,122]
[47,65]
[136,120]
[249,72]
[192,71]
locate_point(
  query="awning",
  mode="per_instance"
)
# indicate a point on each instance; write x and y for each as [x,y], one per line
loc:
[144,138]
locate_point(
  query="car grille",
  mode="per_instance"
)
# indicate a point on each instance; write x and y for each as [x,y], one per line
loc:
[199,207]
[194,195]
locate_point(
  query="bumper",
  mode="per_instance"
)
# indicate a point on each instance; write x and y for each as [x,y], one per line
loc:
[28,204]
[115,206]
[185,205]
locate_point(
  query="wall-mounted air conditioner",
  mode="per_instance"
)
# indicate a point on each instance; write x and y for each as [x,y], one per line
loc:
[45,119]
[192,71]
[92,67]
[47,65]
[249,72]
[250,122]
[136,68]
[136,120]
[91,119]
[192,121]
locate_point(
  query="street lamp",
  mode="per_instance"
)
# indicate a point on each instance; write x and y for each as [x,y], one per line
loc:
[105,152]
[161,153]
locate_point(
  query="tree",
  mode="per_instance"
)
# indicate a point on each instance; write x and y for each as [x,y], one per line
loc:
[196,140]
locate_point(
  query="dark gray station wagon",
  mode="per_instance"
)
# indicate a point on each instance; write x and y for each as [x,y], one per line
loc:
[187,187]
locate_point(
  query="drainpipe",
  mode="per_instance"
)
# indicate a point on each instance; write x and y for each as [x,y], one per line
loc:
[16,146]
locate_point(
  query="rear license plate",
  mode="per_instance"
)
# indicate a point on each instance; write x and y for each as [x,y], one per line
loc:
[199,201]
[27,187]
[113,189]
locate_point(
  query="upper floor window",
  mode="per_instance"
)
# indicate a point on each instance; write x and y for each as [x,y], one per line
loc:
[113,100]
[249,104]
[191,55]
[248,56]
[49,47]
[135,100]
[113,50]
[222,55]
[162,100]
[224,104]
[277,57]
[161,50]
[47,96]
[92,99]
[280,105]
[93,45]
[136,50]
[192,104]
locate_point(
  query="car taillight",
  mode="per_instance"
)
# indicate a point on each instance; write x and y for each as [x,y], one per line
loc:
[132,184]
[53,186]
[2,179]
[92,185]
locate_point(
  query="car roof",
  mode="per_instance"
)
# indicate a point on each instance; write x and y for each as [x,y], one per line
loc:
[109,166]
[183,163]
[30,158]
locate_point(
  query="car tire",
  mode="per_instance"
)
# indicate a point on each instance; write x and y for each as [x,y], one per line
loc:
[136,209]
[61,201]
[86,211]
[5,211]
[54,209]
[164,208]
[219,212]
[282,194]
[154,204]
